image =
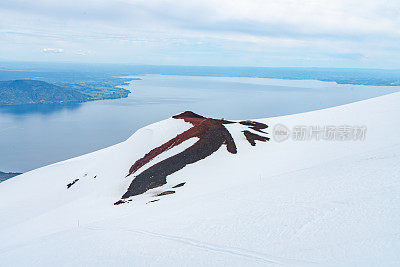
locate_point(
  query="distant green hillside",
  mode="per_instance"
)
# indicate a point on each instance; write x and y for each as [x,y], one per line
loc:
[4,176]
[28,91]
[98,89]
[33,92]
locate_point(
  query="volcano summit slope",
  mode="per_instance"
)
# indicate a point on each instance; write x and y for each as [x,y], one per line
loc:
[192,190]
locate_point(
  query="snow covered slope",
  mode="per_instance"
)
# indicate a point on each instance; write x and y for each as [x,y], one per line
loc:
[292,203]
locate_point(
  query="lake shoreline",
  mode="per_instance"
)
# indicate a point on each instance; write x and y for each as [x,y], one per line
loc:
[33,136]
[7,175]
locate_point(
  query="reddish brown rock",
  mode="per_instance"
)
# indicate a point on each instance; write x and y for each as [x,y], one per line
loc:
[212,134]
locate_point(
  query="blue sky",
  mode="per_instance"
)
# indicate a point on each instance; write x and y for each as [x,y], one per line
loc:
[320,33]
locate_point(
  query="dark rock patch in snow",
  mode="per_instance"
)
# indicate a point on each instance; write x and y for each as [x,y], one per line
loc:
[72,183]
[169,192]
[212,135]
[179,185]
[208,130]
[258,126]
[119,202]
[188,115]
[252,137]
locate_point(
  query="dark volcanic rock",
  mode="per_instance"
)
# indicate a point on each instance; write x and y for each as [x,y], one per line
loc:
[188,115]
[252,137]
[212,135]
[258,126]
[166,193]
[71,184]
[179,185]
[119,202]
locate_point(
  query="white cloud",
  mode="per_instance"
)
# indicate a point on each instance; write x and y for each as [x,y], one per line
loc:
[82,52]
[53,50]
[315,28]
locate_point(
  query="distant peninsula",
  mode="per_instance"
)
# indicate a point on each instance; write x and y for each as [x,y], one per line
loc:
[18,92]
[7,175]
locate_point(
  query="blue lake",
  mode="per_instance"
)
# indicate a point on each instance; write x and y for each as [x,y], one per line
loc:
[32,136]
